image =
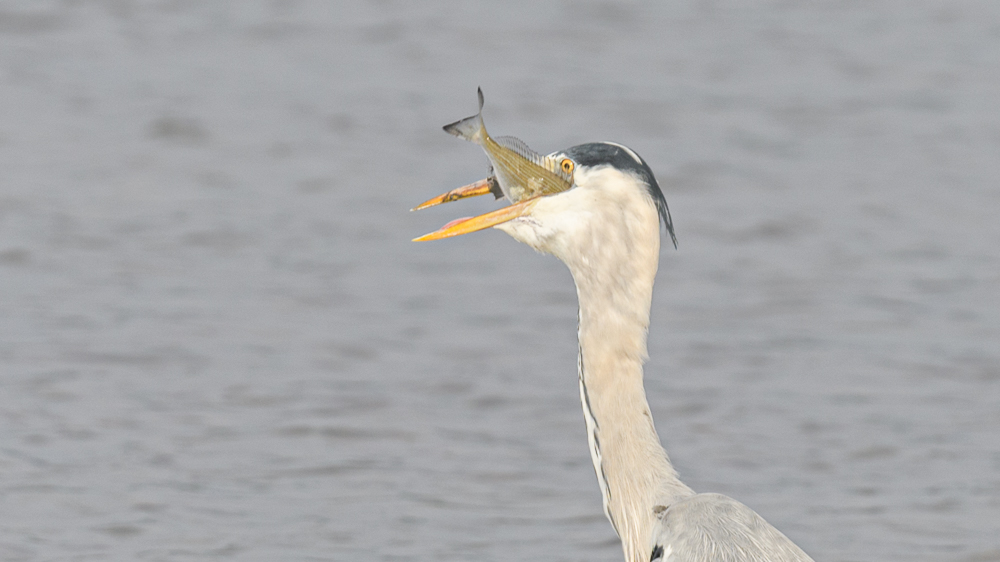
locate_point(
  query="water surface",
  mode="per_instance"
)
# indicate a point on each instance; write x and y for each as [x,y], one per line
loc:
[217,341]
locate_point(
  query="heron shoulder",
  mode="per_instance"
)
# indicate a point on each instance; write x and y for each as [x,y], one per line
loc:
[714,527]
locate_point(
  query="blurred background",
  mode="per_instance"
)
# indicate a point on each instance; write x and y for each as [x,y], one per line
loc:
[217,342]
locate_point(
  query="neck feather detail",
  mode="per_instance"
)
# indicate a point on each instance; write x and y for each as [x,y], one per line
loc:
[634,473]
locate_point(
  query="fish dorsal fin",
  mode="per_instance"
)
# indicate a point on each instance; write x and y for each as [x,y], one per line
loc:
[519,146]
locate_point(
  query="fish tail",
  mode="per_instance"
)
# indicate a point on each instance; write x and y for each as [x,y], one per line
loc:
[470,128]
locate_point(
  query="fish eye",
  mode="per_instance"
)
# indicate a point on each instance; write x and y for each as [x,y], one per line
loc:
[567,166]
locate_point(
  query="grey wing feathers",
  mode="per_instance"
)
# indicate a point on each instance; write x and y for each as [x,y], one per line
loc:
[716,528]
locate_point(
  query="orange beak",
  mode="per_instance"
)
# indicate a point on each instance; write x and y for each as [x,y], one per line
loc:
[481,187]
[467,225]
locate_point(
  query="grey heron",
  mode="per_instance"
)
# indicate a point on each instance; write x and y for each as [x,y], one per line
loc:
[603,222]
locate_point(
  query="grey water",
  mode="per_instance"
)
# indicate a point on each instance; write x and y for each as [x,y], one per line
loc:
[218,343]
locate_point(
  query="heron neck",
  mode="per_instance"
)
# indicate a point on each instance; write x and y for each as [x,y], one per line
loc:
[633,470]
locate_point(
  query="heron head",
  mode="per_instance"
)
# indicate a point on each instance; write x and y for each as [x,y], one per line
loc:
[611,198]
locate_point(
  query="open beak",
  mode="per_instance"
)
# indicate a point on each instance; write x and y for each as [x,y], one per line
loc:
[472,224]
[481,187]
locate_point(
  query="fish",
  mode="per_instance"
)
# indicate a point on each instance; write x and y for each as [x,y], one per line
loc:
[520,173]
[516,172]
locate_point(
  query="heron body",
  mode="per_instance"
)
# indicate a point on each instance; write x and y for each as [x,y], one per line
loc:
[606,228]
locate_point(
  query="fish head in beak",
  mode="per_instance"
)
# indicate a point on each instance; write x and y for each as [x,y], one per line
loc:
[466,225]
[472,224]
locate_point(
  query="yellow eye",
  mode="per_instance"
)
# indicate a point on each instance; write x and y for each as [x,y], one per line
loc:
[567,166]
